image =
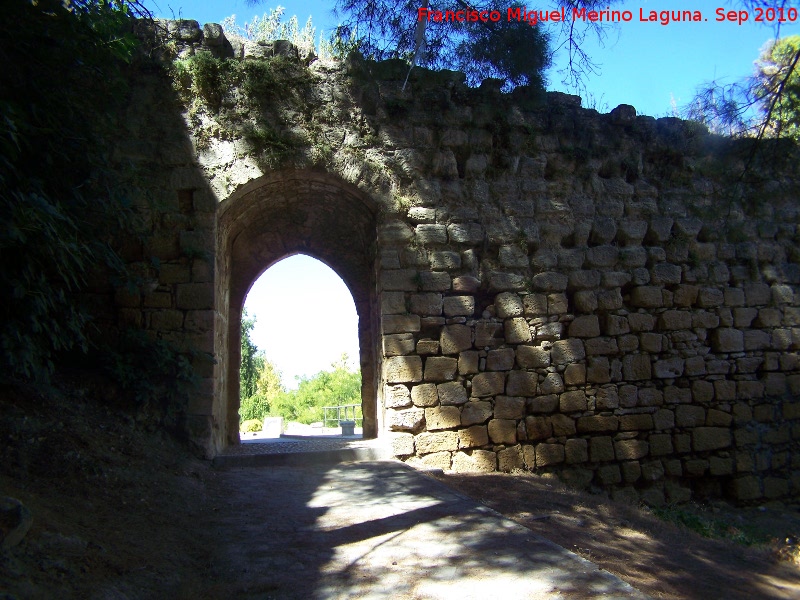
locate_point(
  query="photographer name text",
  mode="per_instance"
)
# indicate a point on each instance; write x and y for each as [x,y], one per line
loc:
[662,17]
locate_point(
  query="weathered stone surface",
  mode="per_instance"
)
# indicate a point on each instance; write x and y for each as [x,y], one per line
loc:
[452,393]
[476,411]
[636,367]
[401,444]
[397,396]
[601,449]
[565,352]
[427,304]
[517,331]
[398,344]
[468,362]
[441,441]
[690,416]
[631,449]
[442,417]
[584,326]
[473,437]
[476,461]
[576,451]
[550,282]
[459,306]
[488,384]
[551,384]
[508,305]
[440,368]
[521,383]
[668,368]
[727,340]
[509,407]
[402,369]
[532,357]
[405,420]
[427,347]
[510,459]
[400,323]
[503,431]
[500,360]
[538,428]
[424,395]
[647,297]
[710,438]
[549,454]
[597,424]
[194,296]
[455,338]
[573,401]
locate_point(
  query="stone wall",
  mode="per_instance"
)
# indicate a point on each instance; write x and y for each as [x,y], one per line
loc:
[542,287]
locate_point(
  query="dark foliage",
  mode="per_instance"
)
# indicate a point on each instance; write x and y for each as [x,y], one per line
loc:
[60,82]
[512,51]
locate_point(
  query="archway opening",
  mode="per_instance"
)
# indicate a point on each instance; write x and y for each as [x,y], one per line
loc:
[300,371]
[267,220]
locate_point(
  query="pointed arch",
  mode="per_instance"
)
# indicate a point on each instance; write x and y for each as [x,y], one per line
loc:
[267,220]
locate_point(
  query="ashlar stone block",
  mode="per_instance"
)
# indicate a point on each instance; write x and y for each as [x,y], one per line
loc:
[452,393]
[398,344]
[509,407]
[402,444]
[442,417]
[403,369]
[473,437]
[517,331]
[533,357]
[569,351]
[636,367]
[503,431]
[585,326]
[573,401]
[710,438]
[405,420]
[440,368]
[468,362]
[442,441]
[508,305]
[488,384]
[397,396]
[476,411]
[538,428]
[549,454]
[521,383]
[726,339]
[455,338]
[500,360]
[459,306]
[510,459]
[424,395]
[476,461]
[426,304]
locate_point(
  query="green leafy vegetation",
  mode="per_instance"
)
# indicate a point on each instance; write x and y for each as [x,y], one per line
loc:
[712,526]
[66,206]
[263,394]
[62,80]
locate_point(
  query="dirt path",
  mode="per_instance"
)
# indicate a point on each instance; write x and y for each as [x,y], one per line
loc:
[121,513]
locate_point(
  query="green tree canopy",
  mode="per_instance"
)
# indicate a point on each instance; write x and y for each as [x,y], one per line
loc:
[777,86]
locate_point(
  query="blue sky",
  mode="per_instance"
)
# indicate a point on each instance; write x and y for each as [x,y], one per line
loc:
[645,64]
